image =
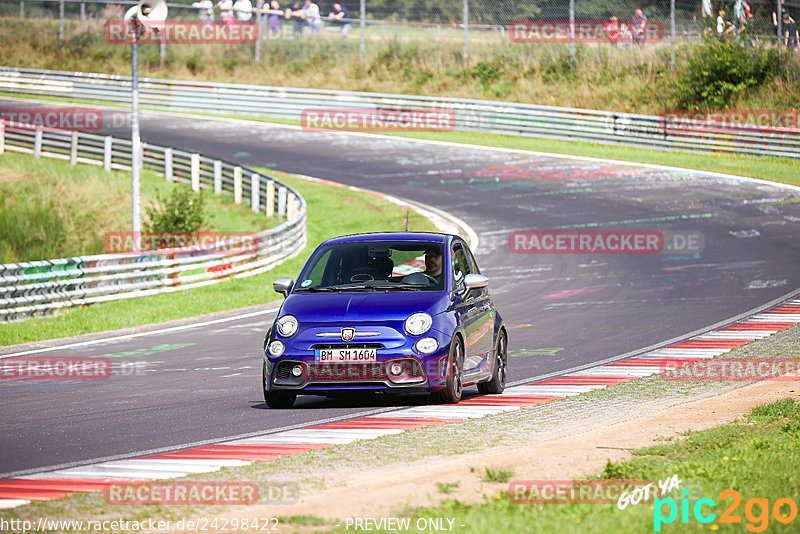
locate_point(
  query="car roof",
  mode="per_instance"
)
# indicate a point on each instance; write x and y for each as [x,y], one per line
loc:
[429,237]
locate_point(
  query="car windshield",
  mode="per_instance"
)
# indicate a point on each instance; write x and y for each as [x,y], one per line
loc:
[374,266]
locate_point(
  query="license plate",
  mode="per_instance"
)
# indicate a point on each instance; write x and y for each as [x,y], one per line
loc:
[345,355]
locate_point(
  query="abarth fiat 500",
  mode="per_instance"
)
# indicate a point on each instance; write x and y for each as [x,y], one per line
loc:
[393,312]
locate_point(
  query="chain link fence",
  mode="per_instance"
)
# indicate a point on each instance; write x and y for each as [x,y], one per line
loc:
[467,42]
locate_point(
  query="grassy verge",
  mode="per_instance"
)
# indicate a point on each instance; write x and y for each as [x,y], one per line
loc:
[755,456]
[766,440]
[412,62]
[333,211]
[49,209]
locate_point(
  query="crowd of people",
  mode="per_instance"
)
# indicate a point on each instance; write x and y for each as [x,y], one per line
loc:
[627,34]
[305,17]
[742,13]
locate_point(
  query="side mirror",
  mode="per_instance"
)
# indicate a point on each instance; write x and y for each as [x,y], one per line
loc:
[283,285]
[475,281]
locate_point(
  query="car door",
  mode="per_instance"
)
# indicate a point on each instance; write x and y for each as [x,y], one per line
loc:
[484,313]
[475,320]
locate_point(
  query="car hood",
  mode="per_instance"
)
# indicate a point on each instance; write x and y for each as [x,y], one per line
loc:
[363,306]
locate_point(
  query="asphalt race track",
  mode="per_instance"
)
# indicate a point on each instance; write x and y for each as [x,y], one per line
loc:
[563,310]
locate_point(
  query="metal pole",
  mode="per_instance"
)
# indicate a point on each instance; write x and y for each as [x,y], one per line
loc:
[83,10]
[61,21]
[258,36]
[572,32]
[136,203]
[779,16]
[672,32]
[22,9]
[466,30]
[363,15]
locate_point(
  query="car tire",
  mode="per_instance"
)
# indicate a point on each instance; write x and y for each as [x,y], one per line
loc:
[453,389]
[276,399]
[497,384]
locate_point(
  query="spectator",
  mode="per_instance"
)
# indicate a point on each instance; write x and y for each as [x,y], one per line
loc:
[340,16]
[723,26]
[244,10]
[274,20]
[627,36]
[226,11]
[310,12]
[612,30]
[205,10]
[786,21]
[740,9]
[706,8]
[299,23]
[639,26]
[792,36]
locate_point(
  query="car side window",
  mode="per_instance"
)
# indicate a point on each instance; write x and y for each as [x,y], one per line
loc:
[460,267]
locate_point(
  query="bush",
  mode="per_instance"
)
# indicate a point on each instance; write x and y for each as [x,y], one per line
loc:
[716,72]
[184,211]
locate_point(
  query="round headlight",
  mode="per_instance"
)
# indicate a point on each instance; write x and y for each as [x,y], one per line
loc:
[276,348]
[418,323]
[287,325]
[426,345]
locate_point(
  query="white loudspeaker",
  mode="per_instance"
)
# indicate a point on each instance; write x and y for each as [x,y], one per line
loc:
[152,13]
[148,13]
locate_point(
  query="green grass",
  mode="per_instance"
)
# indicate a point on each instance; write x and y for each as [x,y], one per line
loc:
[333,210]
[49,209]
[447,487]
[412,62]
[756,456]
[497,475]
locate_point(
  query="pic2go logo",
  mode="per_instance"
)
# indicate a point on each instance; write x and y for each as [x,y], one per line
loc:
[756,511]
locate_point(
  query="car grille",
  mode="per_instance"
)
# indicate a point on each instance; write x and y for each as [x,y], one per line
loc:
[349,372]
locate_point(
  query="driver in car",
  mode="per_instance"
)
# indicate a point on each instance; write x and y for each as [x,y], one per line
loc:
[433,265]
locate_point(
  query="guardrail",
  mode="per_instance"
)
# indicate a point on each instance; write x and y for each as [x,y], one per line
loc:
[548,122]
[41,287]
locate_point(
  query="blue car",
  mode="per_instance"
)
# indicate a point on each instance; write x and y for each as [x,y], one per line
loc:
[385,312]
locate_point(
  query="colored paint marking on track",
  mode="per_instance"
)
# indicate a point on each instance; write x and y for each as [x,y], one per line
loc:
[208,458]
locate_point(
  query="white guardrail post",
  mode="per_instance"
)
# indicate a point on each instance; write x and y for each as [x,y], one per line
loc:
[217,177]
[2,136]
[255,200]
[237,185]
[168,171]
[270,199]
[37,144]
[42,287]
[107,144]
[195,172]
[73,149]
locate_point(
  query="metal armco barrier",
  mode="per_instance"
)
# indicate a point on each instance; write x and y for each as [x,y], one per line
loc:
[549,122]
[41,287]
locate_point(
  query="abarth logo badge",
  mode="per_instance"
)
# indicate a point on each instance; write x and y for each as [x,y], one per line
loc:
[348,334]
